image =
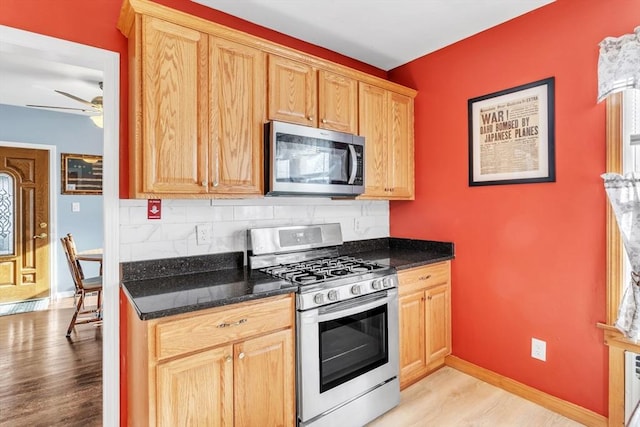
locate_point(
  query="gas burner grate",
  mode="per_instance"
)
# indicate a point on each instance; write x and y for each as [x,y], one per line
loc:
[318,270]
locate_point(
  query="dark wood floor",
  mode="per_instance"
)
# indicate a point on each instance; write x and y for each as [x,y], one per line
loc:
[47,379]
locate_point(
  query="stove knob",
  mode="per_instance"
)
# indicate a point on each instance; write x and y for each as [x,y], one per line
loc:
[318,298]
[377,284]
[333,295]
[355,290]
[387,282]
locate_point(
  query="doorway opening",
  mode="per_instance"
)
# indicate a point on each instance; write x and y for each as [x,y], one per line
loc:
[65,52]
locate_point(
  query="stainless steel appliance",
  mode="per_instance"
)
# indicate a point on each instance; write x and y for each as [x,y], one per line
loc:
[346,324]
[301,160]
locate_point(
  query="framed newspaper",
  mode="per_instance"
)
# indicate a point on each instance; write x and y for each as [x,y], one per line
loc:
[512,135]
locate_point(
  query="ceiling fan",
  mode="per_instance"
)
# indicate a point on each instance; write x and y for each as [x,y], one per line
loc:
[93,106]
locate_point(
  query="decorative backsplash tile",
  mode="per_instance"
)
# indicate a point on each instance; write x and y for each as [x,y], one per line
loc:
[175,234]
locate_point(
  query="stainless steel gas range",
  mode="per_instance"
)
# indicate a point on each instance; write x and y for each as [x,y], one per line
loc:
[346,324]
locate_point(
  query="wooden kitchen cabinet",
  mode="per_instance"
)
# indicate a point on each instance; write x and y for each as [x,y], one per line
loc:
[225,366]
[169,87]
[201,92]
[292,94]
[198,109]
[236,118]
[425,320]
[300,93]
[196,390]
[386,122]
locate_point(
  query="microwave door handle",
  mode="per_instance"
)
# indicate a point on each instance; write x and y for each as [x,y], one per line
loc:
[354,164]
[359,308]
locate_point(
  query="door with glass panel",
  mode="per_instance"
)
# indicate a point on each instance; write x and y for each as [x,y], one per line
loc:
[24,224]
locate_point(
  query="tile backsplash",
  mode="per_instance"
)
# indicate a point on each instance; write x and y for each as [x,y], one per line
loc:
[174,235]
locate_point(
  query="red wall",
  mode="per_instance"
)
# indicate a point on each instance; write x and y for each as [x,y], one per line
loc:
[530,258]
[94,23]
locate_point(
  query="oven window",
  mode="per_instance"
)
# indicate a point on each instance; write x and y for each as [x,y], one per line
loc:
[352,345]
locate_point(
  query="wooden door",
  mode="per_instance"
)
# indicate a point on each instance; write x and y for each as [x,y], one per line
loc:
[292,91]
[24,224]
[413,361]
[373,126]
[264,380]
[237,81]
[172,156]
[438,322]
[196,390]
[401,157]
[337,102]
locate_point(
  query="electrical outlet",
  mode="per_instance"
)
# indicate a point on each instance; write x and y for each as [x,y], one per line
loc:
[203,234]
[75,207]
[539,349]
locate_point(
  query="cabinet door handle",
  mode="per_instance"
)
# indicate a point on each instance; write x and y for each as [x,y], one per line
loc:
[204,183]
[324,120]
[429,297]
[427,277]
[40,236]
[310,118]
[228,324]
[241,356]
[228,359]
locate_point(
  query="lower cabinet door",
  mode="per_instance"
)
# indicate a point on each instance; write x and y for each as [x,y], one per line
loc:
[196,390]
[264,380]
[438,322]
[413,361]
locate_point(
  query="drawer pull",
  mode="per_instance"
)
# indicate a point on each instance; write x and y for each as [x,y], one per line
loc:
[427,277]
[226,325]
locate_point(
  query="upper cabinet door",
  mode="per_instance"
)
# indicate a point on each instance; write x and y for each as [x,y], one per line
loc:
[373,126]
[236,94]
[292,91]
[171,156]
[401,156]
[338,102]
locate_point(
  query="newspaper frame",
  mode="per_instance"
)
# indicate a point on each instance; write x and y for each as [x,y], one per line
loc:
[513,150]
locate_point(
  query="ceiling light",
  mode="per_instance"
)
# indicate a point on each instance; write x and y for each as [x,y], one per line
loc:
[97,120]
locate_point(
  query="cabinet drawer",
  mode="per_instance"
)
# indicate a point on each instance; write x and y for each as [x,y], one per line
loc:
[423,277]
[222,326]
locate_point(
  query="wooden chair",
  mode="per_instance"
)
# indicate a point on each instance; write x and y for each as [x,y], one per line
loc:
[83,287]
[82,258]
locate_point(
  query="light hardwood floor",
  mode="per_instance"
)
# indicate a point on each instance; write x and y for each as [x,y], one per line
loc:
[450,398]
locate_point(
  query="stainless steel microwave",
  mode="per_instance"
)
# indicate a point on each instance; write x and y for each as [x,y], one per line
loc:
[306,161]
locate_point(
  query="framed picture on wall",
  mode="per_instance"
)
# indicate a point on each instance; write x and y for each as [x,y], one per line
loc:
[512,135]
[81,174]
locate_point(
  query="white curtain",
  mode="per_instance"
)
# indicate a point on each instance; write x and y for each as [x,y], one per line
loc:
[619,64]
[624,196]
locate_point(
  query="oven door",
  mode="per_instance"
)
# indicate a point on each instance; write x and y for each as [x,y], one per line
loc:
[345,350]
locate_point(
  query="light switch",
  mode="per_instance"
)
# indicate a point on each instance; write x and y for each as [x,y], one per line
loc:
[75,207]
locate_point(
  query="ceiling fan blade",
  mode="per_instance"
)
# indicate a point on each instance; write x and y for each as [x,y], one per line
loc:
[64,108]
[74,97]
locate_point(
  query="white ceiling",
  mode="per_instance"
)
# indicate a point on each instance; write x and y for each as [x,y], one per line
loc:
[28,77]
[382,33]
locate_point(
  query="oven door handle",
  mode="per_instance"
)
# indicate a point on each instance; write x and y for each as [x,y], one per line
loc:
[357,308]
[354,164]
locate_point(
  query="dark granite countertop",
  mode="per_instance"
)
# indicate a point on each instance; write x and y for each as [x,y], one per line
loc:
[164,287]
[400,253]
[160,288]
